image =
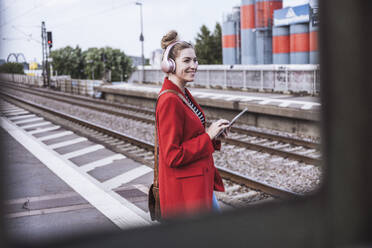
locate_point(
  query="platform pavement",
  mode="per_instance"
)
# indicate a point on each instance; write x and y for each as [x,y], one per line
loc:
[58,186]
[228,94]
[282,112]
[48,196]
[29,178]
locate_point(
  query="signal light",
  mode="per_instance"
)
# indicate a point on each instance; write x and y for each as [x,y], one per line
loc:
[50,41]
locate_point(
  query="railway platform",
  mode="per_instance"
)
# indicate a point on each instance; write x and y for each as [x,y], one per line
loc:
[282,112]
[61,184]
[223,96]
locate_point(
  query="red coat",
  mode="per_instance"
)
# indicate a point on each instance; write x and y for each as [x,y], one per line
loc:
[187,175]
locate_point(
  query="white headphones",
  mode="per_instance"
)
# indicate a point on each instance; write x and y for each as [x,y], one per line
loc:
[167,64]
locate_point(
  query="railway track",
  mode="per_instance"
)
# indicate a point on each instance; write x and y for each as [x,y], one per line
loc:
[135,148]
[286,147]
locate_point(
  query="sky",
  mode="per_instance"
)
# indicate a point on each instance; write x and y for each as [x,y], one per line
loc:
[100,23]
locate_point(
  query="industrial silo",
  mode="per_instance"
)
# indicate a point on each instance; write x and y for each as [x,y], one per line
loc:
[299,43]
[313,32]
[313,46]
[231,38]
[281,45]
[248,35]
[264,10]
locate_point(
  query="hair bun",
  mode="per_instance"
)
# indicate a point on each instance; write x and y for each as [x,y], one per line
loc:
[169,38]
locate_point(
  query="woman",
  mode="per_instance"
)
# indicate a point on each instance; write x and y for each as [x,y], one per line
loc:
[187,175]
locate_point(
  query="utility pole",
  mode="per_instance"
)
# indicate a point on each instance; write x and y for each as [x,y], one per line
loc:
[50,44]
[142,40]
[44,47]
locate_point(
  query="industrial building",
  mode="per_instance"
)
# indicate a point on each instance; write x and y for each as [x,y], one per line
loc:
[271,32]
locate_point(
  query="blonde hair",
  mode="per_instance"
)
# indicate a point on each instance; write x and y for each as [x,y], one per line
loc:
[171,37]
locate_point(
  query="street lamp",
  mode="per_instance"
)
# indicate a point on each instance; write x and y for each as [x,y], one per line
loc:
[142,39]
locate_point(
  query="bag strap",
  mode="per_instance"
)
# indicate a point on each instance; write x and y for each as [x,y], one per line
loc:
[156,150]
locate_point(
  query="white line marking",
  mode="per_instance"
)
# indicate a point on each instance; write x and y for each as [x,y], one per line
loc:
[42,130]
[233,98]
[82,151]
[9,111]
[28,120]
[20,117]
[127,177]
[67,143]
[37,125]
[284,104]
[56,135]
[247,99]
[202,95]
[121,212]
[142,188]
[18,113]
[101,162]
[216,97]
[307,106]
[265,102]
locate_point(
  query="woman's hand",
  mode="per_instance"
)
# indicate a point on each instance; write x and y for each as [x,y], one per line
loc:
[216,127]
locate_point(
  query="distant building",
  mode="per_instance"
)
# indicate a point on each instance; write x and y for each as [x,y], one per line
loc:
[37,72]
[2,61]
[136,60]
[271,32]
[231,37]
[155,58]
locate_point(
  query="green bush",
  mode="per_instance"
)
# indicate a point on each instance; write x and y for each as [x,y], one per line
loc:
[15,68]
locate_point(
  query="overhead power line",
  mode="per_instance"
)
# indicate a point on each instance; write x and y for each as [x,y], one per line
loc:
[29,36]
[27,26]
[27,12]
[10,39]
[112,8]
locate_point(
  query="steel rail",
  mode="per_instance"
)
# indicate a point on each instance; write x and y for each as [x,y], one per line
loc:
[298,142]
[290,140]
[99,128]
[269,136]
[254,184]
[78,102]
[251,146]
[273,151]
[225,173]
[79,98]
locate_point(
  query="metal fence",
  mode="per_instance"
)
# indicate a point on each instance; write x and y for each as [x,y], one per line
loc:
[62,83]
[272,78]
[266,78]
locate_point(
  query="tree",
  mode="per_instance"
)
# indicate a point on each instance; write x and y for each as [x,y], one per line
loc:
[94,66]
[217,36]
[11,67]
[99,60]
[208,47]
[92,63]
[68,61]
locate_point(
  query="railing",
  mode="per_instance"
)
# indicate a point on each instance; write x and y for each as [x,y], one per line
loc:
[268,78]
[62,83]
[265,78]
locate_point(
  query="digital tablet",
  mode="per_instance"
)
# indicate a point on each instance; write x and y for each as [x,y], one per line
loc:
[233,121]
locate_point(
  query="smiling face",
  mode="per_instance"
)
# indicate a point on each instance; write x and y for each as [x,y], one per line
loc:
[186,65]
